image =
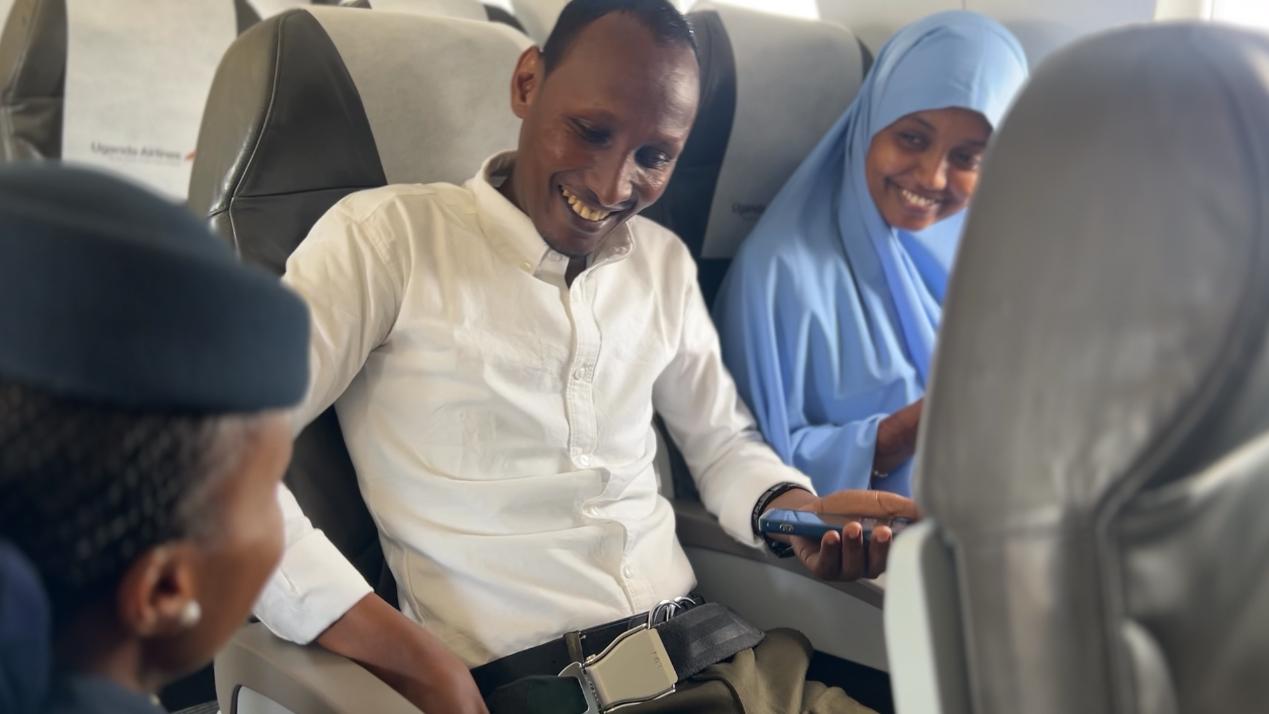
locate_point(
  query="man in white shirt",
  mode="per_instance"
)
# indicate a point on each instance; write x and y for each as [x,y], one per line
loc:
[496,352]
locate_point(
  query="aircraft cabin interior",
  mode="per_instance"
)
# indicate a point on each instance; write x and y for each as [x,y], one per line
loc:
[387,356]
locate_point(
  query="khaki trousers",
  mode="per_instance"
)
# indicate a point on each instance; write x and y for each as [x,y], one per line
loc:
[768,679]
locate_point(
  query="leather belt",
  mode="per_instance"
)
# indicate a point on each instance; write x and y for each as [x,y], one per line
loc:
[623,662]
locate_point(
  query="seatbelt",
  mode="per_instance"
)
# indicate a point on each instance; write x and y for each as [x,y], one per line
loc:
[640,665]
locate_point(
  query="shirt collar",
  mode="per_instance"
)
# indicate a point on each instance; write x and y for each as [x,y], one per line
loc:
[514,234]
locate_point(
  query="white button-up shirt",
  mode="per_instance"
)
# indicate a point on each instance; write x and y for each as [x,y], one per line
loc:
[500,420]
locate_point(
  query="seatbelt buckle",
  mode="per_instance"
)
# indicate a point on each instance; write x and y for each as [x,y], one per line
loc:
[632,669]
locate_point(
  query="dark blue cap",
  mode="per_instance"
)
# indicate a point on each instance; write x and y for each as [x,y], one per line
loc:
[112,294]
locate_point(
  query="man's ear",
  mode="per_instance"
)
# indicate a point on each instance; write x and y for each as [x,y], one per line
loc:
[158,591]
[526,81]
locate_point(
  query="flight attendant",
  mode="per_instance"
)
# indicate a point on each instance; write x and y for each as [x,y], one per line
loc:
[144,377]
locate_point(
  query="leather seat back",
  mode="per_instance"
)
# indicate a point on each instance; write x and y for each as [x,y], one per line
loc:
[1095,451]
[314,104]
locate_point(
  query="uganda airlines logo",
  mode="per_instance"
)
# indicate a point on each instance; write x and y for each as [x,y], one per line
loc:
[129,153]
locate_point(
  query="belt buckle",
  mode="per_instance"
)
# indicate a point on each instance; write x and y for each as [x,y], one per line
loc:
[632,669]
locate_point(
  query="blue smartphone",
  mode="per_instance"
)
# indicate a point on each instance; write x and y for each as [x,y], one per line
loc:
[815,525]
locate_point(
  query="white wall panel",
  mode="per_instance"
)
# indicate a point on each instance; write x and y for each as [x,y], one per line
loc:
[1186,9]
[1041,25]
[1253,13]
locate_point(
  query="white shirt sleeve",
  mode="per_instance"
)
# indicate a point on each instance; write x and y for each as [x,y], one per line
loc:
[341,272]
[695,395]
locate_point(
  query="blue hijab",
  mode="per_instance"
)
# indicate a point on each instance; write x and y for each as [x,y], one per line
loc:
[828,315]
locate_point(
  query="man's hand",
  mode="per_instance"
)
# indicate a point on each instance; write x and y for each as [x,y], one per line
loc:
[405,656]
[842,555]
[897,437]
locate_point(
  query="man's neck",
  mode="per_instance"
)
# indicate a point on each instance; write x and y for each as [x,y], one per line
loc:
[575,268]
[508,190]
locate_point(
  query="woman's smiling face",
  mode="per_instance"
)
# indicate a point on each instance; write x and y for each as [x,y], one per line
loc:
[924,167]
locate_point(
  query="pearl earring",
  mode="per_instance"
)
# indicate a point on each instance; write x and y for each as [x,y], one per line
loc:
[191,614]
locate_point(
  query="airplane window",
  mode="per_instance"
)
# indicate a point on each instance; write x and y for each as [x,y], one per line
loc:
[1243,12]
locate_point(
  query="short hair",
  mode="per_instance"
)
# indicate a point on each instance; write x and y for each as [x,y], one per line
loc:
[666,23]
[85,489]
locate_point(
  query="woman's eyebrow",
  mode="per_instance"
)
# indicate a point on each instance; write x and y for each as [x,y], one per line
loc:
[924,123]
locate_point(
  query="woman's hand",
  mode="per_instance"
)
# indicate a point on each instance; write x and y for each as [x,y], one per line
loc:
[896,438]
[843,555]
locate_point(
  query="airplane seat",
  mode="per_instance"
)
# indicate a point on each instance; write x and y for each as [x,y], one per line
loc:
[116,85]
[771,86]
[1094,459]
[467,9]
[306,108]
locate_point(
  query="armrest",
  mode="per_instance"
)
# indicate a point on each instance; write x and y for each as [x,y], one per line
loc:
[923,626]
[307,680]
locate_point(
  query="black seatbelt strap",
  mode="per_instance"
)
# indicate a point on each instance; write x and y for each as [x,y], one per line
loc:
[693,640]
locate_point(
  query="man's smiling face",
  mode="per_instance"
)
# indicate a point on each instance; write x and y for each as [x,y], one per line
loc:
[601,131]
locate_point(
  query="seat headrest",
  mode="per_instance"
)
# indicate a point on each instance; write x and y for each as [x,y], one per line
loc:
[116,85]
[315,103]
[770,87]
[1095,444]
[1111,294]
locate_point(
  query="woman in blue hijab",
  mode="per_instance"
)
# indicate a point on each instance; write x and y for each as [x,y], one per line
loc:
[829,313]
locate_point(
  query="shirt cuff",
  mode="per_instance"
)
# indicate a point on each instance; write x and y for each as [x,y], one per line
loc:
[736,515]
[312,588]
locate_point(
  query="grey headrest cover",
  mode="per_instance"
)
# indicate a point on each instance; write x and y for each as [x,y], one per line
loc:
[1102,371]
[316,103]
[794,78]
[467,119]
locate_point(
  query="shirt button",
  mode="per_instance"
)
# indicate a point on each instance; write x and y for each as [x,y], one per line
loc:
[627,571]
[526,267]
[583,460]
